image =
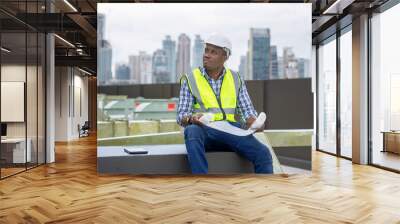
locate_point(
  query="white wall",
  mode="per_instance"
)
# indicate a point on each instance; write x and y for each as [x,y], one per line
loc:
[61,103]
[17,73]
[79,117]
[70,83]
[14,73]
[33,126]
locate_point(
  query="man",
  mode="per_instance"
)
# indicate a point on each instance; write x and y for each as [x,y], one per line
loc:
[220,91]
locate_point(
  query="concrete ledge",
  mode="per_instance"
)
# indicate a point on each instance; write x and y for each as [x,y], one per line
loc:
[166,159]
[290,147]
[299,157]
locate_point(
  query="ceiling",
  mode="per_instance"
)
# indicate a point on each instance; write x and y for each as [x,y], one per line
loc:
[76,21]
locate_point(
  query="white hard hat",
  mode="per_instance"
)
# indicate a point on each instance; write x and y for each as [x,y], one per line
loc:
[220,41]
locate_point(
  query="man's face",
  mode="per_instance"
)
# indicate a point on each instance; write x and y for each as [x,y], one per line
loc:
[213,57]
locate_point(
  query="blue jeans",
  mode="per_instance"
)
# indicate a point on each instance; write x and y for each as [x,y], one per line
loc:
[199,139]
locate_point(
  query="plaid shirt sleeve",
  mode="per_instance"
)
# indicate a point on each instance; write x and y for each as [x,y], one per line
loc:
[185,105]
[244,102]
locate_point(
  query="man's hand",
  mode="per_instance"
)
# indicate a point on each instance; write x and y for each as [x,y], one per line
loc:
[195,119]
[250,121]
[191,119]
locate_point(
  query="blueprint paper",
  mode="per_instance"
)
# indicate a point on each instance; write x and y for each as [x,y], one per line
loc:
[228,128]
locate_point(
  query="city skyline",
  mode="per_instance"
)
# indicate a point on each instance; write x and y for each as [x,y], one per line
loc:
[124,25]
[261,67]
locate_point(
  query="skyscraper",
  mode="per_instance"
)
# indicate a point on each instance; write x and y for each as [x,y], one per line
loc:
[122,72]
[134,67]
[101,20]
[249,74]
[259,53]
[198,49]
[289,63]
[104,57]
[169,46]
[303,66]
[160,67]
[273,63]
[243,67]
[183,56]
[292,70]
[145,64]
[281,69]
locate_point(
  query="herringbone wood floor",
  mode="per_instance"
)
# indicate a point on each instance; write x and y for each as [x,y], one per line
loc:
[70,191]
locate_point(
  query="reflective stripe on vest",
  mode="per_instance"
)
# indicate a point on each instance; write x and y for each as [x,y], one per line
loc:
[206,99]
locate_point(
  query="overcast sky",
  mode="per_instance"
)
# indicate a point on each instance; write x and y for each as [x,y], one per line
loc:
[133,27]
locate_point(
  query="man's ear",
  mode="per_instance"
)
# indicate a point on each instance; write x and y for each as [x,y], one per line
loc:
[225,57]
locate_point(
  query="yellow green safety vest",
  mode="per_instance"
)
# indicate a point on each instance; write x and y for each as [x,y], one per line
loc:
[223,108]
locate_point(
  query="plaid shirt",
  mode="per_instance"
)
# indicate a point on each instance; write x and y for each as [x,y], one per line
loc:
[187,100]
